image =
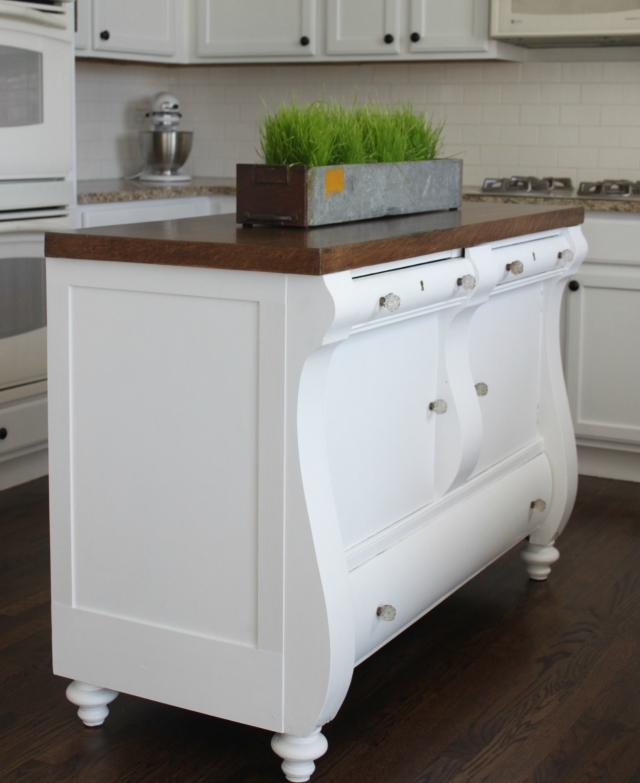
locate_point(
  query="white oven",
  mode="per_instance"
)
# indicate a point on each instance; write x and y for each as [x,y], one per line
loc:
[36,109]
[23,316]
[36,194]
[566,22]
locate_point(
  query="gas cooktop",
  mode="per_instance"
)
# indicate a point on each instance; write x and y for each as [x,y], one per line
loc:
[561,186]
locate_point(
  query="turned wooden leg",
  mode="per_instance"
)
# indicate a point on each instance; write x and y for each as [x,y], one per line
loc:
[92,701]
[539,560]
[299,753]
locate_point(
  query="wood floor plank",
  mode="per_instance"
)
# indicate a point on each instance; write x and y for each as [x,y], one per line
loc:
[508,681]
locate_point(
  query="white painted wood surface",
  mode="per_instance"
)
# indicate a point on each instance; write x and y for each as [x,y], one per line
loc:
[250,492]
[602,364]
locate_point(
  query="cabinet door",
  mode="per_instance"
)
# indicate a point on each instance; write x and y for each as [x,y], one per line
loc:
[244,28]
[505,354]
[602,359]
[453,26]
[140,27]
[363,26]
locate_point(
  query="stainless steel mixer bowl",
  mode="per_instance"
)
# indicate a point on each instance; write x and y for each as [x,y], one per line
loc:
[165,151]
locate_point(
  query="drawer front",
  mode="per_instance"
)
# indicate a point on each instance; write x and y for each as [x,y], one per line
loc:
[418,572]
[23,424]
[526,259]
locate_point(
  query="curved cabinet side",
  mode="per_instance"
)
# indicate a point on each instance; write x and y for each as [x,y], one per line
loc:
[554,413]
[319,627]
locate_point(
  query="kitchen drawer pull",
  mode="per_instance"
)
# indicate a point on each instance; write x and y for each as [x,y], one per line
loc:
[438,406]
[304,41]
[388,39]
[467,282]
[105,35]
[415,37]
[539,505]
[390,302]
[386,612]
[566,256]
[515,267]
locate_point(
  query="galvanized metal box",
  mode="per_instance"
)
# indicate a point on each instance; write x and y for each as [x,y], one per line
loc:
[306,197]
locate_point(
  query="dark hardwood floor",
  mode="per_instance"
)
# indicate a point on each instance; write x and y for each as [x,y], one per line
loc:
[508,681]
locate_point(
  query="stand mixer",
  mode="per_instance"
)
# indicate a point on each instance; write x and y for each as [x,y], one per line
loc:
[164,148]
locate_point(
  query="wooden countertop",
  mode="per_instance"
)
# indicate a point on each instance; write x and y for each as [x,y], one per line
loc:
[219,242]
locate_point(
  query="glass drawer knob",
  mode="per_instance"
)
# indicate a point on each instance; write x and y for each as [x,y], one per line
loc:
[386,613]
[390,302]
[515,267]
[566,256]
[482,389]
[438,406]
[539,505]
[467,282]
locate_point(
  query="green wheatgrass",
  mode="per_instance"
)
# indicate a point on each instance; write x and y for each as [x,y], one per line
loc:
[325,133]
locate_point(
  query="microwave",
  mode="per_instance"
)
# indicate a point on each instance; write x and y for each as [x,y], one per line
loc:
[566,22]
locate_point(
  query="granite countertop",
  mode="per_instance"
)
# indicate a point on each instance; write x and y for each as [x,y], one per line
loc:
[105,191]
[218,242]
[621,204]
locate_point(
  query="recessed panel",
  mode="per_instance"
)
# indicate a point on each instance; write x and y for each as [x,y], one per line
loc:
[610,374]
[380,438]
[164,401]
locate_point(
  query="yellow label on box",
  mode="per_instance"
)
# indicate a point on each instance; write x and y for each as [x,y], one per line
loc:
[333,181]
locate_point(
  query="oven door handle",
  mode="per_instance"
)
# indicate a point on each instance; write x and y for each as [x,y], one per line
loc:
[48,18]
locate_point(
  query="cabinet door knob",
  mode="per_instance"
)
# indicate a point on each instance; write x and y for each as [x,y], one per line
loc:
[386,612]
[539,505]
[467,282]
[390,302]
[3,433]
[415,37]
[304,41]
[566,256]
[388,39]
[105,35]
[574,285]
[482,389]
[515,267]
[438,406]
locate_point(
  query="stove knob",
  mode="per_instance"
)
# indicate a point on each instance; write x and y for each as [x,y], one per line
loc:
[515,267]
[390,302]
[566,256]
[467,282]
[438,406]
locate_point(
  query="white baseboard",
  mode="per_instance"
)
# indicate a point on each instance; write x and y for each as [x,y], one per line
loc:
[609,463]
[24,468]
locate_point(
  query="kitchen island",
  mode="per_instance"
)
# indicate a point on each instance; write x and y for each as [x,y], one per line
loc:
[272,450]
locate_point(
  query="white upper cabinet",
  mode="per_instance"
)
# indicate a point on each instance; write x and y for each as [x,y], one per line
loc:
[246,28]
[451,26]
[363,27]
[139,27]
[83,25]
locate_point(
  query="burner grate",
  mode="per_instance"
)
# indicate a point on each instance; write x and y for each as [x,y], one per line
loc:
[523,185]
[610,187]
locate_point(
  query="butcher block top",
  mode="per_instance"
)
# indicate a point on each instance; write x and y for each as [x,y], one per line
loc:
[219,242]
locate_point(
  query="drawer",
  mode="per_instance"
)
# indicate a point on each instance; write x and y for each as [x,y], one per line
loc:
[396,294]
[25,424]
[527,259]
[421,570]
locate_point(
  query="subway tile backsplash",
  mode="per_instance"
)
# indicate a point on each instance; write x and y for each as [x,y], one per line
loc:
[572,119]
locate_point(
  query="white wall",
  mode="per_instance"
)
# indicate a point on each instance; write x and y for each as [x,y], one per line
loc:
[580,120]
